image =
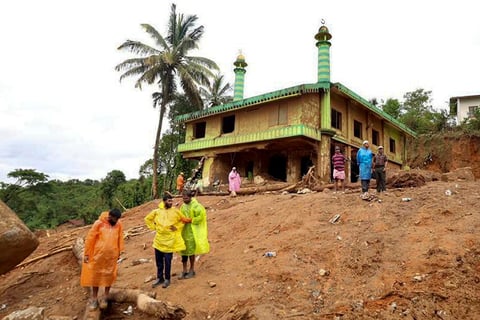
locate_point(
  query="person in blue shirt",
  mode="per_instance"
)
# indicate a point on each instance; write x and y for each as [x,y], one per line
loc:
[364,161]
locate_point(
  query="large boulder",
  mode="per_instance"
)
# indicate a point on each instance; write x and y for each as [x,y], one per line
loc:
[16,240]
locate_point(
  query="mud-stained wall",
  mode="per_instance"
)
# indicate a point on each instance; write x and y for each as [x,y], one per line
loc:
[310,110]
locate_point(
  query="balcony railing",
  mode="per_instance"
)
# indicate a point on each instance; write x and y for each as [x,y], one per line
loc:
[270,134]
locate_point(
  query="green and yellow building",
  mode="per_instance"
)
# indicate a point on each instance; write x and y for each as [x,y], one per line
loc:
[283,133]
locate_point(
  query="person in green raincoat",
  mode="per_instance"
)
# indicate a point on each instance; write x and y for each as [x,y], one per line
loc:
[167,222]
[194,233]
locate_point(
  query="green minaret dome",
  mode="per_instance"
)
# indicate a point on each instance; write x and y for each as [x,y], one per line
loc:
[240,62]
[323,34]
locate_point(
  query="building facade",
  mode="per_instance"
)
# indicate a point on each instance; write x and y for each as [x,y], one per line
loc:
[463,107]
[282,134]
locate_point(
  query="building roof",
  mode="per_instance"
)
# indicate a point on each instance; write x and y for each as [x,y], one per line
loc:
[464,97]
[286,93]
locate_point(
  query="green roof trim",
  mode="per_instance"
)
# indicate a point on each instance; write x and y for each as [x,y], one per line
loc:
[374,109]
[266,135]
[286,93]
[235,105]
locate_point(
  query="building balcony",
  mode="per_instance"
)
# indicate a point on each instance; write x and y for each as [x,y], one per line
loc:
[270,134]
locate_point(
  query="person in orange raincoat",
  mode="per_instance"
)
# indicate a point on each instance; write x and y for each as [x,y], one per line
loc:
[180,182]
[103,245]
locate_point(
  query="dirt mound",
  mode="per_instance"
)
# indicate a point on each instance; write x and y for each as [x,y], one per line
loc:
[385,259]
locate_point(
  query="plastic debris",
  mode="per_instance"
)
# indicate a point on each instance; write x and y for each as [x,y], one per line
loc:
[270,254]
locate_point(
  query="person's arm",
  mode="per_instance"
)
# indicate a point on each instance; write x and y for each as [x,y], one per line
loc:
[150,220]
[373,162]
[90,241]
[121,245]
[385,165]
[199,214]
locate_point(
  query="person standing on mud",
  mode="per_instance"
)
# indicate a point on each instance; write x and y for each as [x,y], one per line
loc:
[167,222]
[380,165]
[180,182]
[234,182]
[103,245]
[194,233]
[364,161]
[338,162]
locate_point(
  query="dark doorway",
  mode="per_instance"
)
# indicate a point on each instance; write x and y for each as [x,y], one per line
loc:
[354,170]
[277,167]
[305,164]
[249,170]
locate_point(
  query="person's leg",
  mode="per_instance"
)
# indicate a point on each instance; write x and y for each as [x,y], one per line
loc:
[364,185]
[168,265]
[383,181]
[378,178]
[103,301]
[94,293]
[336,182]
[159,264]
[192,264]
[343,185]
[184,268]
[191,271]
[168,268]
[93,303]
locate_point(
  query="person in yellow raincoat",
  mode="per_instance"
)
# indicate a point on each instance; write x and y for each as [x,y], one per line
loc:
[195,233]
[167,222]
[103,245]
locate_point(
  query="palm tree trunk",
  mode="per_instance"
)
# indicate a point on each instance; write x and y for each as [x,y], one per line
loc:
[155,152]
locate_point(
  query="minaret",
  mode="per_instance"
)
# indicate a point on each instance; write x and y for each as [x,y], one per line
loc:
[239,70]
[323,71]
[323,46]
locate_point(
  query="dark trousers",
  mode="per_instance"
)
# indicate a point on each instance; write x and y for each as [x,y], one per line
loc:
[164,262]
[365,185]
[380,176]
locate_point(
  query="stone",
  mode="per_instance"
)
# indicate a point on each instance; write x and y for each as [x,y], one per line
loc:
[31,313]
[16,241]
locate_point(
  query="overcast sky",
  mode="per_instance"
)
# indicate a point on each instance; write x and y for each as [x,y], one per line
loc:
[64,112]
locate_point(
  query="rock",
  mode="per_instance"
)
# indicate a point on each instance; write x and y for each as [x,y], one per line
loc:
[258,180]
[463,174]
[323,272]
[16,240]
[31,313]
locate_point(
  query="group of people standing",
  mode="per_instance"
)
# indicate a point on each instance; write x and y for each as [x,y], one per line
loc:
[368,163]
[182,230]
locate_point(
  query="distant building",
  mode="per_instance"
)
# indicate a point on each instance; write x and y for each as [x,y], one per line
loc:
[463,107]
[283,133]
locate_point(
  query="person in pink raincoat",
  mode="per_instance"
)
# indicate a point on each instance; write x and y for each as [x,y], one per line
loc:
[234,182]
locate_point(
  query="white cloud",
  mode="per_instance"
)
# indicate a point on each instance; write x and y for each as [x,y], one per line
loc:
[64,112]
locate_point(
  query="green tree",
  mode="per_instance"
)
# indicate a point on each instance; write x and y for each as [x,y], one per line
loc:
[166,65]
[217,93]
[110,184]
[472,124]
[392,107]
[25,178]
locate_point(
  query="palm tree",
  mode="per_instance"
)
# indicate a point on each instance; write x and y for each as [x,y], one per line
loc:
[217,93]
[168,65]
